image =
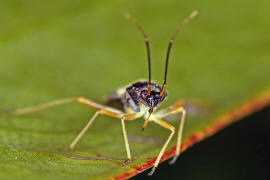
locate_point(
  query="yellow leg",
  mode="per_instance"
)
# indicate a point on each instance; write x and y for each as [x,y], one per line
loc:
[81,100]
[43,106]
[83,131]
[167,126]
[174,110]
[125,139]
[123,119]
[105,110]
[179,136]
[166,112]
[108,113]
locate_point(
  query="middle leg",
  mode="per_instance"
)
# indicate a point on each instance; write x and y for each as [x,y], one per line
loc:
[122,117]
[174,109]
[105,110]
[83,131]
[167,126]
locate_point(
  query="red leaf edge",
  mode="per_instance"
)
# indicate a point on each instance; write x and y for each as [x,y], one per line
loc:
[259,102]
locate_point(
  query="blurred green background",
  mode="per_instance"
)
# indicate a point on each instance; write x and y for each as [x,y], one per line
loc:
[55,49]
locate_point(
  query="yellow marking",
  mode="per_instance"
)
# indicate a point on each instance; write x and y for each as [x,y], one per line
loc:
[162,90]
[121,91]
[143,108]
[149,90]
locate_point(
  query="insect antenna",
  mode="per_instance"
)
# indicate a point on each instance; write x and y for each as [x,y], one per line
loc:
[191,16]
[146,40]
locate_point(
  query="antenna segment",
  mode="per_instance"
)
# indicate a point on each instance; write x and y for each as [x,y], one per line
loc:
[146,40]
[179,29]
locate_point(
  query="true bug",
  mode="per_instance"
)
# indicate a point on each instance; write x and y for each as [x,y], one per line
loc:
[137,100]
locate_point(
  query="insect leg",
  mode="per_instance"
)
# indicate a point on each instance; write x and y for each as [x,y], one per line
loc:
[83,131]
[123,119]
[42,106]
[164,112]
[80,100]
[125,138]
[171,111]
[121,116]
[105,110]
[167,126]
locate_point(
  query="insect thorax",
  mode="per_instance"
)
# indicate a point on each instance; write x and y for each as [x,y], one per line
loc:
[136,96]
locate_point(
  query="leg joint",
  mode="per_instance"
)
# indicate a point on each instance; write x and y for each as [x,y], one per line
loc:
[181,109]
[81,99]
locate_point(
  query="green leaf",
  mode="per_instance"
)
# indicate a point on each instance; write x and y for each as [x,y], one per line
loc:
[56,49]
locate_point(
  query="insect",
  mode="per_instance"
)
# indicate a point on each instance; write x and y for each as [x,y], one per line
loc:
[140,99]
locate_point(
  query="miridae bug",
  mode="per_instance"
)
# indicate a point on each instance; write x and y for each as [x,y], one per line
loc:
[137,100]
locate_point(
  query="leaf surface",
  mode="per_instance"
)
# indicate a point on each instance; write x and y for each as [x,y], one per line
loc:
[56,49]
